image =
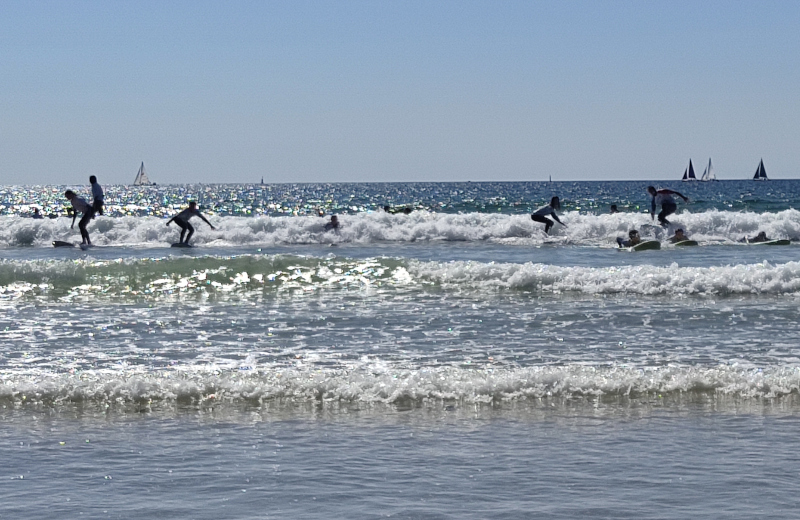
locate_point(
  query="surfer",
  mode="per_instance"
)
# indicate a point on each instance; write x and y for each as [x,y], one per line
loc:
[333,224]
[540,215]
[678,237]
[97,195]
[613,209]
[761,237]
[36,213]
[182,219]
[664,198]
[633,239]
[79,205]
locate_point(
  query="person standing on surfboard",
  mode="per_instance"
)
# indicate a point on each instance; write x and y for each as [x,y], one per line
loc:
[97,195]
[540,215]
[182,219]
[79,205]
[664,198]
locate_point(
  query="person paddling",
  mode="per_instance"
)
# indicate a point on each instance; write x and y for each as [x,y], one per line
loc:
[182,219]
[541,214]
[633,239]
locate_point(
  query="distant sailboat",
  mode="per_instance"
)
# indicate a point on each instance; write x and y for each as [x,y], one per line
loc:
[761,173]
[688,174]
[708,174]
[141,178]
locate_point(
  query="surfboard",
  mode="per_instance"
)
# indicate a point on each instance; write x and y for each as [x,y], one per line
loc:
[783,242]
[61,243]
[86,246]
[181,244]
[646,246]
[684,243]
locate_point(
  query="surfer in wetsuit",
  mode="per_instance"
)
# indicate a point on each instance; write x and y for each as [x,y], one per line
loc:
[541,214]
[97,195]
[664,198]
[679,236]
[333,224]
[633,239]
[79,205]
[182,219]
[761,237]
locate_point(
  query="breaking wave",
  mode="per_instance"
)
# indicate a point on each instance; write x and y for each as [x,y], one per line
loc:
[582,229]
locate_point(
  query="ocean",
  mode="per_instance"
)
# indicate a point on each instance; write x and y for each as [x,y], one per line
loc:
[449,362]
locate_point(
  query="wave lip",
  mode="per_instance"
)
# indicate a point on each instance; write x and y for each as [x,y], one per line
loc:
[245,276]
[253,386]
[646,280]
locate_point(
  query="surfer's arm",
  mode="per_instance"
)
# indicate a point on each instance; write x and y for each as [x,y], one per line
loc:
[673,192]
[74,216]
[204,220]
[555,217]
[170,220]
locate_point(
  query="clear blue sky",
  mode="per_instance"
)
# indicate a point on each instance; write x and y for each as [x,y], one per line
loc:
[231,91]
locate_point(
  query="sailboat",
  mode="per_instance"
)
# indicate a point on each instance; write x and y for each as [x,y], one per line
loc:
[761,173]
[142,179]
[708,174]
[688,174]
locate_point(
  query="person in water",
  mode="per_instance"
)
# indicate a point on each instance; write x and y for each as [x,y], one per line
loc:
[541,214]
[679,236]
[613,209]
[182,219]
[333,224]
[761,237]
[79,205]
[97,195]
[663,198]
[633,239]
[36,213]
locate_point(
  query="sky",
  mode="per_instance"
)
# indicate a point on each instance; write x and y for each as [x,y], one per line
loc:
[396,91]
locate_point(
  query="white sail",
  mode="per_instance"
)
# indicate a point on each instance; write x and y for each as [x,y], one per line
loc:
[141,177]
[708,174]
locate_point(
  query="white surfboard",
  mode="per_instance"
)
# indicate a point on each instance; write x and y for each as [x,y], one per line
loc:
[647,245]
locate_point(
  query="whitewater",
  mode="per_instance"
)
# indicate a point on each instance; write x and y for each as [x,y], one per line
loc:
[280,370]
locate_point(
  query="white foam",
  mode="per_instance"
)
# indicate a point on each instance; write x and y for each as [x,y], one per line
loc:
[645,279]
[582,229]
[387,384]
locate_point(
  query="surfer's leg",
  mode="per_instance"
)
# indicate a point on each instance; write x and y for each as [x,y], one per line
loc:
[666,210]
[182,225]
[189,235]
[82,226]
[546,221]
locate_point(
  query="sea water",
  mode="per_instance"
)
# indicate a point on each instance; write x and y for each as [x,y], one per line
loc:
[453,362]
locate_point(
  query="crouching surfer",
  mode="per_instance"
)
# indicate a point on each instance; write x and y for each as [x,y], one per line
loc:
[541,214]
[182,219]
[79,205]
